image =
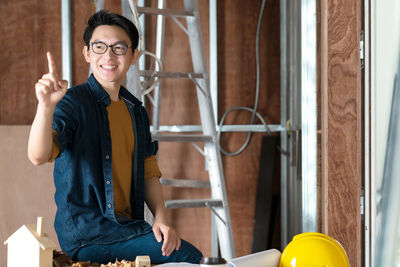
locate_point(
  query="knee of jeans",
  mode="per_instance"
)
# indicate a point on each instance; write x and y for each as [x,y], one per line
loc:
[195,257]
[189,253]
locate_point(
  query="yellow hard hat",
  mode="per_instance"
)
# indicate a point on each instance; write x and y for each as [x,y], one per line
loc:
[314,250]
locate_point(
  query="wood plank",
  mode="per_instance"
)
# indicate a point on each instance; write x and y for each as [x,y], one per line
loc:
[341,130]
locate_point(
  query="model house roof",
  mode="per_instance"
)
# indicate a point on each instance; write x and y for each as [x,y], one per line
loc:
[30,230]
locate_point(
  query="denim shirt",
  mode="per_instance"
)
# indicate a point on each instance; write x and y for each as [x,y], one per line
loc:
[83,172]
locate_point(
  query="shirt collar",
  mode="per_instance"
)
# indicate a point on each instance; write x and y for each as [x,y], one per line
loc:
[102,96]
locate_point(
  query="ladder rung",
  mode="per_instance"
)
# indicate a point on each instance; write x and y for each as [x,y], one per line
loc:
[182,137]
[167,12]
[223,128]
[184,183]
[169,74]
[192,203]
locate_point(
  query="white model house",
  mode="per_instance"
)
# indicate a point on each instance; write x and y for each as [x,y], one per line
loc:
[30,246]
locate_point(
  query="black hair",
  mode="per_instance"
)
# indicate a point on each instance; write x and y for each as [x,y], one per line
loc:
[104,17]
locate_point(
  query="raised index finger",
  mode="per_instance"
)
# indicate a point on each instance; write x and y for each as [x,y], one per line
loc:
[52,66]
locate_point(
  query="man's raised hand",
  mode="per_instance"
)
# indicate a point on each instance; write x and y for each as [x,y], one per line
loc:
[49,89]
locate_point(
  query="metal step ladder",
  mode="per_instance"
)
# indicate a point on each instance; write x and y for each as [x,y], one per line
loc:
[222,237]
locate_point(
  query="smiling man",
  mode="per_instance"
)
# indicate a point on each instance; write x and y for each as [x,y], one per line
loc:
[105,166]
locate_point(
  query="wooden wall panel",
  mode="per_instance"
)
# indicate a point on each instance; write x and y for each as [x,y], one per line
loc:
[342,128]
[28,29]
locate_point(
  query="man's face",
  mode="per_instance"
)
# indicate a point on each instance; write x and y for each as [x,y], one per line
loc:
[109,69]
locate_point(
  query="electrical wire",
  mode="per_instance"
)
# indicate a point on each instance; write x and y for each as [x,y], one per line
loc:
[253,110]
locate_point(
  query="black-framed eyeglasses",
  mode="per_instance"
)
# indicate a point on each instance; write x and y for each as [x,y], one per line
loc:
[118,49]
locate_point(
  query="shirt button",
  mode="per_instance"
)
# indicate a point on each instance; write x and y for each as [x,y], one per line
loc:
[109,206]
[107,157]
[108,182]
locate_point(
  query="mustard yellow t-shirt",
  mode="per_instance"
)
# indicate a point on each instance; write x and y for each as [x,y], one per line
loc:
[123,143]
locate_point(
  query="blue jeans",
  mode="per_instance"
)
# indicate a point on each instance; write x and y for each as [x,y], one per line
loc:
[141,245]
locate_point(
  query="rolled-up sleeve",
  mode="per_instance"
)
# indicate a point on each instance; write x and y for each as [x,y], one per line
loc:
[151,168]
[56,148]
[64,122]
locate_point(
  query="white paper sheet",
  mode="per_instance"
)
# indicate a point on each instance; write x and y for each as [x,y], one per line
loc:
[268,258]
[179,264]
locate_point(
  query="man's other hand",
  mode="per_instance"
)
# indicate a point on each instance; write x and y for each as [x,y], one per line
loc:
[172,241]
